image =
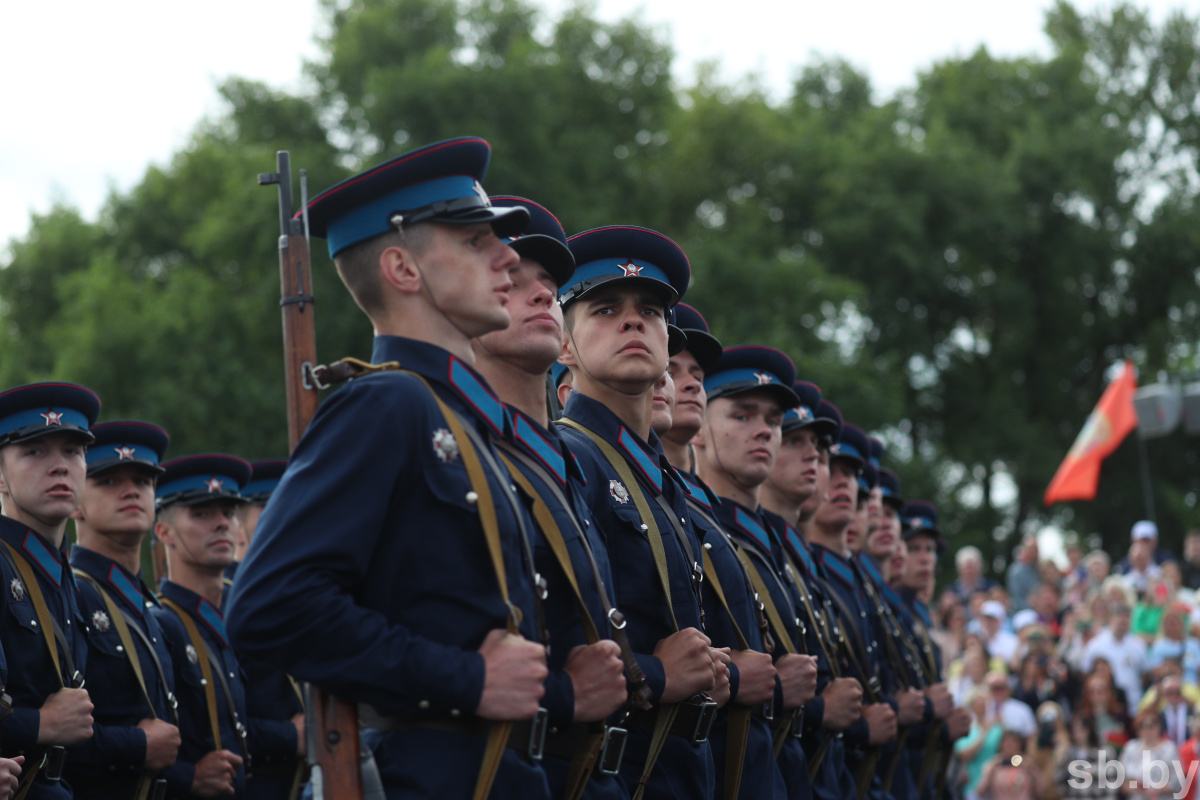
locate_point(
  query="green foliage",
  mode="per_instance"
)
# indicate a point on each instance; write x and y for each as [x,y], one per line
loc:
[957,265]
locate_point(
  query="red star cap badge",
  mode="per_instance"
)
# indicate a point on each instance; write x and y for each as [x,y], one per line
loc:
[214,484]
[52,417]
[763,377]
[631,270]
[124,452]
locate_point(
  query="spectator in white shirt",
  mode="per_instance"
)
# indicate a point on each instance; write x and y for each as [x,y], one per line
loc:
[1012,714]
[1123,651]
[999,642]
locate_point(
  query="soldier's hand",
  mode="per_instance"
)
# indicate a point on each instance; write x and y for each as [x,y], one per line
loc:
[598,676]
[756,677]
[514,669]
[301,740]
[721,659]
[686,663]
[10,773]
[881,722]
[943,703]
[958,722]
[843,703]
[910,706]
[162,743]
[215,773]
[66,718]
[798,674]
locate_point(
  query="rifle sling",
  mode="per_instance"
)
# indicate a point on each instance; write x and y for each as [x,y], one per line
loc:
[558,545]
[854,646]
[649,526]
[711,572]
[122,622]
[51,631]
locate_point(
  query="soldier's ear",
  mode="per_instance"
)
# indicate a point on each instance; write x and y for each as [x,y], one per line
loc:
[162,532]
[398,268]
[77,514]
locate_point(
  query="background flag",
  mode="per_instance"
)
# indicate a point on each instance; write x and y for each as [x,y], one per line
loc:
[1110,422]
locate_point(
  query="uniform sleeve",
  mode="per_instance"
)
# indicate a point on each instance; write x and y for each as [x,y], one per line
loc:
[735,679]
[20,730]
[275,738]
[294,602]
[559,699]
[112,745]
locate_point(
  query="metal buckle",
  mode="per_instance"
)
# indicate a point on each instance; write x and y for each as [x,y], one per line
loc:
[537,733]
[542,586]
[173,700]
[613,750]
[874,685]
[56,757]
[797,730]
[704,719]
[768,709]
[159,792]
[617,619]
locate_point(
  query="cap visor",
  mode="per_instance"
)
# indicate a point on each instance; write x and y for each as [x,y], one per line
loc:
[677,340]
[704,346]
[549,252]
[506,222]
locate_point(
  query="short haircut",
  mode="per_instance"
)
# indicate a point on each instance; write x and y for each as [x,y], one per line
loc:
[968,553]
[358,266]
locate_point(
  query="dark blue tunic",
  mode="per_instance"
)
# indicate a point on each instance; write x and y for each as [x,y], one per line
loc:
[369,573]
[683,770]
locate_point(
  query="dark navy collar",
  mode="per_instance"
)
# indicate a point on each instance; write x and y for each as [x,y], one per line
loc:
[115,579]
[37,551]
[870,568]
[645,456]
[208,614]
[440,366]
[835,565]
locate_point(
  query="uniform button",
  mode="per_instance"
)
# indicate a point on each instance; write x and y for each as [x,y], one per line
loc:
[472,498]
[645,527]
[68,623]
[708,545]
[454,712]
[232,676]
[120,649]
[423,705]
[154,640]
[587,523]
[33,622]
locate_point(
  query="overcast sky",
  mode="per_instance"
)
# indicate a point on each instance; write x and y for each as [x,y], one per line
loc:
[98,91]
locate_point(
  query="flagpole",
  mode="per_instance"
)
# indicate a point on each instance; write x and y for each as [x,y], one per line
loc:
[1147,486]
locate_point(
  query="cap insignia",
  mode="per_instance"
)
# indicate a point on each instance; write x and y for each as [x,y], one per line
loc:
[631,270]
[100,621]
[52,417]
[214,485]
[18,589]
[483,196]
[124,452]
[763,377]
[618,492]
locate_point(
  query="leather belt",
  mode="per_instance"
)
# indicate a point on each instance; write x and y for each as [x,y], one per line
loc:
[693,721]
[527,737]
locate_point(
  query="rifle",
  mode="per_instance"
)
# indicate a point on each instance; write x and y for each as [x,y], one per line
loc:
[332,724]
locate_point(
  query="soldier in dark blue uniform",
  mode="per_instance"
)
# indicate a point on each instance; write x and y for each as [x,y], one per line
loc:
[129,667]
[586,683]
[748,391]
[371,574]
[615,308]
[43,436]
[929,743]
[274,702]
[790,497]
[867,739]
[197,499]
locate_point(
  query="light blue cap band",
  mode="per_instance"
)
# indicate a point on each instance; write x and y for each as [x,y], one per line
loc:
[371,219]
[616,268]
[52,418]
[122,452]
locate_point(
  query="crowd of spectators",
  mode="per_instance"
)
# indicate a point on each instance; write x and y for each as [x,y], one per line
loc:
[1094,664]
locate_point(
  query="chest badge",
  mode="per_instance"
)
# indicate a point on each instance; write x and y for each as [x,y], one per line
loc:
[445,446]
[100,621]
[191,655]
[618,491]
[17,589]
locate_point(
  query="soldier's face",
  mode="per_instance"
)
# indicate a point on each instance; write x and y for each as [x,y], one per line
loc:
[841,499]
[201,535]
[795,472]
[534,335]
[618,338]
[42,479]
[690,399]
[922,558]
[742,437]
[662,404]
[882,540]
[810,506]
[874,509]
[464,272]
[895,564]
[119,501]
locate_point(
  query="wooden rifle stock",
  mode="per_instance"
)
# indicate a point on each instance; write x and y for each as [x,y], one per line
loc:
[333,747]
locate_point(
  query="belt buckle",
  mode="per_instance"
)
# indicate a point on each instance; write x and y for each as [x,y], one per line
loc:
[537,734]
[768,709]
[797,729]
[704,719]
[56,757]
[612,752]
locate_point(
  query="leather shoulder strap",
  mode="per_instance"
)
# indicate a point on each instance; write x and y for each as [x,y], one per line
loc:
[118,620]
[210,687]
[46,622]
